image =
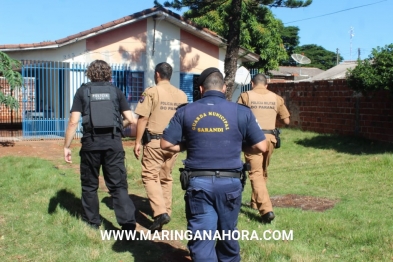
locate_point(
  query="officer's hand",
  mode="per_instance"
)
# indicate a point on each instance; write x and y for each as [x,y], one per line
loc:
[67,155]
[137,150]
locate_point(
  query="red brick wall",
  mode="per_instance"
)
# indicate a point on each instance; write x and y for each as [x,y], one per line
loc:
[332,107]
[6,115]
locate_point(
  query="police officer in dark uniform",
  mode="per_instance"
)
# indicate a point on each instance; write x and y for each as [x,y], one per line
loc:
[214,130]
[101,105]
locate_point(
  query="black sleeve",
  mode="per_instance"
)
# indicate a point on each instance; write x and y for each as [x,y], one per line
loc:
[122,101]
[77,103]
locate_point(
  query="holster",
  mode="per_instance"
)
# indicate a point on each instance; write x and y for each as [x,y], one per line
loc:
[277,133]
[184,178]
[146,138]
[243,178]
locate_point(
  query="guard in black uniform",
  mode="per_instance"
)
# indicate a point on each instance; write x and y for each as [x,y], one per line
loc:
[214,130]
[102,106]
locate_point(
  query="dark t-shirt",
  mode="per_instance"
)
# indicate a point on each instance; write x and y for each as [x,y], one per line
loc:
[107,141]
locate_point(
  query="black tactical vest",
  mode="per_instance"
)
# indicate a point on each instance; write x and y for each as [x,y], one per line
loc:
[100,108]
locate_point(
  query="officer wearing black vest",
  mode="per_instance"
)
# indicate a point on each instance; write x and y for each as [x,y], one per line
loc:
[101,106]
[212,130]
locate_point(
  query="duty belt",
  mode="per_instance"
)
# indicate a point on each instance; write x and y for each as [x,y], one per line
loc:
[270,132]
[155,136]
[215,173]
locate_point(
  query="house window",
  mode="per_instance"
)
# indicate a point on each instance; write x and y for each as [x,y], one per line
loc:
[131,83]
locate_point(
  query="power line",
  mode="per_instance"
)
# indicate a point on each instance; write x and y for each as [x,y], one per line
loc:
[335,12]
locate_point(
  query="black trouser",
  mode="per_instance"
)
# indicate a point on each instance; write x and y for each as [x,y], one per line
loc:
[115,176]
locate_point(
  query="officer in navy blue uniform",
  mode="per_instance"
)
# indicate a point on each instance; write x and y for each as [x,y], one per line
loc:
[213,131]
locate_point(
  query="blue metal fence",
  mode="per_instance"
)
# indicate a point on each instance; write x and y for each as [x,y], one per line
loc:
[186,84]
[48,92]
[49,88]
[247,87]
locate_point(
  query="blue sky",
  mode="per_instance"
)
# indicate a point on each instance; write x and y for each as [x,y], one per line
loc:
[27,21]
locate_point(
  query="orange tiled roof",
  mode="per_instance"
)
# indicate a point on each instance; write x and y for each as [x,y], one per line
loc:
[108,25]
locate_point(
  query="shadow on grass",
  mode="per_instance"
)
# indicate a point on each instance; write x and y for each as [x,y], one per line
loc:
[150,251]
[346,144]
[250,213]
[68,201]
[141,205]
[146,250]
[141,250]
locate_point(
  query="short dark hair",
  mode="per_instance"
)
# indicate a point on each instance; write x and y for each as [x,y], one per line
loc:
[259,79]
[214,81]
[165,70]
[99,71]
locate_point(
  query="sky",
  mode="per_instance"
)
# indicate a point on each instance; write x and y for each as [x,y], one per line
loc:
[326,23]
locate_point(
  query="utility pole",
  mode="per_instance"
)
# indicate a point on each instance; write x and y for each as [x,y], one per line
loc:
[358,53]
[337,56]
[351,34]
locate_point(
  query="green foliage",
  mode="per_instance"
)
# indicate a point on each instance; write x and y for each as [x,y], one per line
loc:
[243,22]
[375,72]
[265,38]
[8,67]
[199,6]
[260,32]
[319,56]
[290,39]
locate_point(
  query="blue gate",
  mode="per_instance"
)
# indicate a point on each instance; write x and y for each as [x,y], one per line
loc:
[49,89]
[186,84]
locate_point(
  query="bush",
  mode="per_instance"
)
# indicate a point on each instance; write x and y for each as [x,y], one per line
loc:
[375,72]
[8,67]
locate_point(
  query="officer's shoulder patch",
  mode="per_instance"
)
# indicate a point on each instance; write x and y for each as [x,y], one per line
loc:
[143,96]
[179,106]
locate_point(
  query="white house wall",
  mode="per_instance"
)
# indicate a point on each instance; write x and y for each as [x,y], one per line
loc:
[166,44]
[221,58]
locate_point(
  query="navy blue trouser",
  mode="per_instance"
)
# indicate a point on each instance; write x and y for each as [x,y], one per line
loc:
[212,204]
[115,176]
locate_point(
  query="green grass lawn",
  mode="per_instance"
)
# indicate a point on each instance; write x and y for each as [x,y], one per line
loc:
[40,207]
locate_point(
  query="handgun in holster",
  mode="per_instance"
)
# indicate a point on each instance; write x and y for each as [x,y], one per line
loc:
[146,138]
[277,133]
[184,178]
[243,178]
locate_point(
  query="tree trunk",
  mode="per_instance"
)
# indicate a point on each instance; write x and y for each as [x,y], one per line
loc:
[232,52]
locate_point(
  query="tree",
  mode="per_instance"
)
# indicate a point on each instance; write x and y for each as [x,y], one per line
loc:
[375,72]
[260,32]
[198,8]
[8,67]
[290,39]
[319,56]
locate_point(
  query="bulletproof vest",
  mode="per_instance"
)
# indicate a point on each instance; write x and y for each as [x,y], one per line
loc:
[264,107]
[212,135]
[100,108]
[169,98]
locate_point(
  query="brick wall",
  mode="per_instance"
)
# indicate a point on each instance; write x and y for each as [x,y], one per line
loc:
[15,116]
[8,116]
[332,107]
